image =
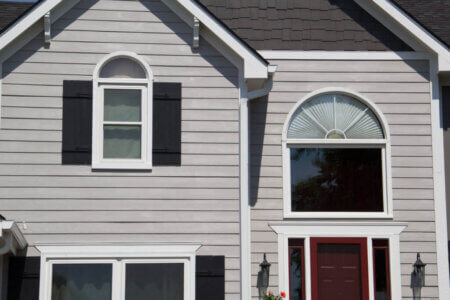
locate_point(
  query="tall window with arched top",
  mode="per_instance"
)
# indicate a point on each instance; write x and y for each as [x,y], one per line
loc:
[122,121]
[336,158]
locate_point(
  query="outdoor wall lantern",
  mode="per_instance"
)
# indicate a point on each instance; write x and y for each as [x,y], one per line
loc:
[263,277]
[418,278]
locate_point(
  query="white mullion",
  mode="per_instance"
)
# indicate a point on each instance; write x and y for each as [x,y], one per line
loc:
[119,282]
[119,123]
[334,111]
[307,275]
[370,276]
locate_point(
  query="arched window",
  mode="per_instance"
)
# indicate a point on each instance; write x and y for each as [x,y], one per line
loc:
[122,121]
[335,158]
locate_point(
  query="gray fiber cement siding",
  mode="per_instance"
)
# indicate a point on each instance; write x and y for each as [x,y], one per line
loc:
[195,202]
[401,90]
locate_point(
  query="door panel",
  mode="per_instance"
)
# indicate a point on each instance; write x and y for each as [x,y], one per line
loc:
[339,269]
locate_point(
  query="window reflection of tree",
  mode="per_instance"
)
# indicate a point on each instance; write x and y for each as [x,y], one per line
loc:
[343,179]
[296,273]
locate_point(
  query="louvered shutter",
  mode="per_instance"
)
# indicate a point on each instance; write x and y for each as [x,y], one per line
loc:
[210,277]
[23,278]
[166,123]
[77,123]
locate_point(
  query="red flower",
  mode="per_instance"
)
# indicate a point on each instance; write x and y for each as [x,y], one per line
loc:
[270,293]
[283,295]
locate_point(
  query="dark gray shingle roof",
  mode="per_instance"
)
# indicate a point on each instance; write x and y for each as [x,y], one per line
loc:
[11,11]
[304,25]
[434,15]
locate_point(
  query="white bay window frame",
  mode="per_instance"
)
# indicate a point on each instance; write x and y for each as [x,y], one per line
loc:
[146,123]
[383,144]
[118,255]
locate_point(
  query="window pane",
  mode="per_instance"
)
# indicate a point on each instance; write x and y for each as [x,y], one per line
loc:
[336,179]
[381,269]
[154,281]
[296,269]
[81,282]
[325,115]
[122,68]
[122,105]
[122,141]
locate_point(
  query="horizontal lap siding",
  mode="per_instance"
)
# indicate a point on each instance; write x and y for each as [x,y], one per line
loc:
[401,90]
[196,202]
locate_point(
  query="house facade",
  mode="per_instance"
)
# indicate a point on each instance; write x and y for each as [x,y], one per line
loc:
[160,149]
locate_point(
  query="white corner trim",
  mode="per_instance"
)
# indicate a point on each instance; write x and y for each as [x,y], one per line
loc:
[309,229]
[196,34]
[342,55]
[410,26]
[37,13]
[439,183]
[47,28]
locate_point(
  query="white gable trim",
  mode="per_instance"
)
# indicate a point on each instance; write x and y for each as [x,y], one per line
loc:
[343,55]
[410,26]
[38,12]
[254,65]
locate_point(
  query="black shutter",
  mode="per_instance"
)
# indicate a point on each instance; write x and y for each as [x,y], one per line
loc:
[77,123]
[166,124]
[23,278]
[210,277]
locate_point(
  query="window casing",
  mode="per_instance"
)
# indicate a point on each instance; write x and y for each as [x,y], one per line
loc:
[334,120]
[122,113]
[119,267]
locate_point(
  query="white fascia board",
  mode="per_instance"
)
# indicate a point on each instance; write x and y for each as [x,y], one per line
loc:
[254,66]
[412,28]
[38,12]
[343,55]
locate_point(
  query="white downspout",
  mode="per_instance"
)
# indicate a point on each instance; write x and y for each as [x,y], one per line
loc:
[244,182]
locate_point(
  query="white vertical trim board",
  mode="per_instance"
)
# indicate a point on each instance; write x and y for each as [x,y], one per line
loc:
[439,183]
[117,254]
[312,229]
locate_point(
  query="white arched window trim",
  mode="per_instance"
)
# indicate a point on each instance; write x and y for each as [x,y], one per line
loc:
[144,84]
[383,144]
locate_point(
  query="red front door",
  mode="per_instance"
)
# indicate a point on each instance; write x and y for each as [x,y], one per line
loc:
[339,269]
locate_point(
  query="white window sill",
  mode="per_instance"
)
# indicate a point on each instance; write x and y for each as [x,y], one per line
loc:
[121,166]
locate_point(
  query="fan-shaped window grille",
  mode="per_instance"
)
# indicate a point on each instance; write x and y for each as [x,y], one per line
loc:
[334,116]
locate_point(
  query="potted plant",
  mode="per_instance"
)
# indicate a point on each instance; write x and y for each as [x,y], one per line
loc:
[271,296]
